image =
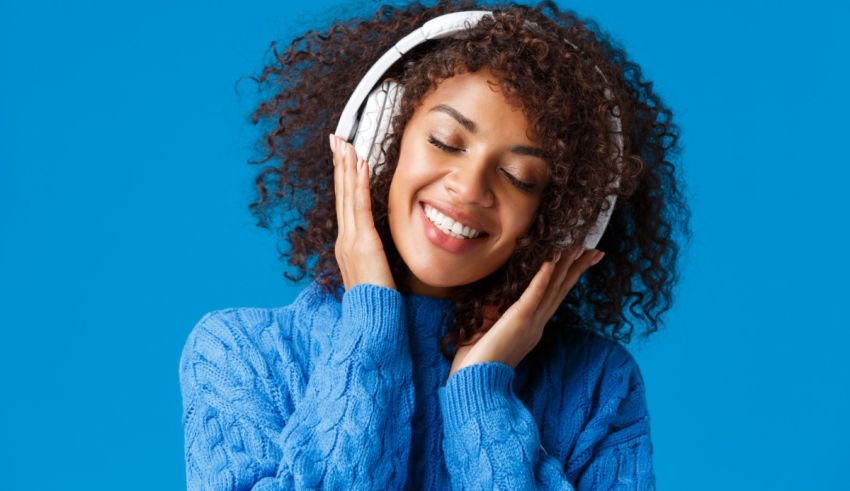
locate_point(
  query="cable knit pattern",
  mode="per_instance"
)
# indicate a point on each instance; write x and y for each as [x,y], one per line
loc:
[353,395]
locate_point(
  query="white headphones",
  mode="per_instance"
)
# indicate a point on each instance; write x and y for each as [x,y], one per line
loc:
[382,103]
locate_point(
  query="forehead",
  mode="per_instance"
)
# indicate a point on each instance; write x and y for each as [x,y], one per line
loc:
[477,96]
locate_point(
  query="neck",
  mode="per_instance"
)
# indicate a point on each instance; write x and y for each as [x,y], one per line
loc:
[417,287]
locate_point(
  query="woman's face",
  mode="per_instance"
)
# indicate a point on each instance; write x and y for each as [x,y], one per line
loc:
[486,183]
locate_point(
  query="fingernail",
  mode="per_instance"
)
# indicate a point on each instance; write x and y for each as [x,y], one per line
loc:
[557,256]
[578,253]
[599,256]
[331,141]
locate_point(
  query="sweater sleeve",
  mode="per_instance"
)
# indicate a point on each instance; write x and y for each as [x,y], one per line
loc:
[491,440]
[349,430]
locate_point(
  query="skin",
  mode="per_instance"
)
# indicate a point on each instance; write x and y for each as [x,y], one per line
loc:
[473,181]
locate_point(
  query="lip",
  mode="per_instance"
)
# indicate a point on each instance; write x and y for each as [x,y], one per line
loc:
[445,241]
[456,215]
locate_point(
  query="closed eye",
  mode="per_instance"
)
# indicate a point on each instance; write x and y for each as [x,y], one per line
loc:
[522,185]
[442,146]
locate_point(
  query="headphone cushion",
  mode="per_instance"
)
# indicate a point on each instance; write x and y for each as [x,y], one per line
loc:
[373,125]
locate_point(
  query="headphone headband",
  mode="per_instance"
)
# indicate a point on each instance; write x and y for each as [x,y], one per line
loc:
[438,27]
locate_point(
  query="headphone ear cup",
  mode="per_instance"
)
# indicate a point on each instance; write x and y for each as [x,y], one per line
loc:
[382,104]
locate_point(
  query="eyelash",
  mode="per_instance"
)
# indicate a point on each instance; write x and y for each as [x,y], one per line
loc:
[523,186]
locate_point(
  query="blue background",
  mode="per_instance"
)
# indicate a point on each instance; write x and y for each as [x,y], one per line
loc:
[123,212]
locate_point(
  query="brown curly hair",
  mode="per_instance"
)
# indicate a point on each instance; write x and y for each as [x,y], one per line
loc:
[561,95]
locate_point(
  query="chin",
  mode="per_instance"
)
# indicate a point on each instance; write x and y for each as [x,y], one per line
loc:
[434,277]
[441,277]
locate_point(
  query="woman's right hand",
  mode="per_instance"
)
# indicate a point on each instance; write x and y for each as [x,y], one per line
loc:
[359,250]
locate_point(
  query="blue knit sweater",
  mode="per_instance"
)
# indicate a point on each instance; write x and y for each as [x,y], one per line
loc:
[353,395]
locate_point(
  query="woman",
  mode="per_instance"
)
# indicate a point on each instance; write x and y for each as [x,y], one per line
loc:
[455,333]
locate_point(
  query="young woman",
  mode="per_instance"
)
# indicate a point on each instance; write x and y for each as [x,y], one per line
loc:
[456,332]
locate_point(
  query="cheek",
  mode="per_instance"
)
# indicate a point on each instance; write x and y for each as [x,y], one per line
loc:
[520,220]
[403,190]
[413,172]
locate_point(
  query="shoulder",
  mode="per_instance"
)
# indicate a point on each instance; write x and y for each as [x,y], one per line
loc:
[592,377]
[598,389]
[616,365]
[600,361]
[261,340]
[251,360]
[609,373]
[230,340]
[613,390]
[231,328]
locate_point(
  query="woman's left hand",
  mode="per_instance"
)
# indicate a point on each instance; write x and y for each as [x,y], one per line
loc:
[520,328]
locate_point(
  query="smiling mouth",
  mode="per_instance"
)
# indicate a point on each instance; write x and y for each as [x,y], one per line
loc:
[449,226]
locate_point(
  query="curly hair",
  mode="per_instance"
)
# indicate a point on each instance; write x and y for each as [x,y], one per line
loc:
[556,85]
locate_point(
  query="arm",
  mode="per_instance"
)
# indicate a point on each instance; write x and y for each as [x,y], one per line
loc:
[491,441]
[350,430]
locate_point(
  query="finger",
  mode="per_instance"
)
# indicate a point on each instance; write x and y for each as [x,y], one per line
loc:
[339,174]
[536,290]
[578,268]
[553,289]
[554,293]
[363,203]
[567,260]
[350,184]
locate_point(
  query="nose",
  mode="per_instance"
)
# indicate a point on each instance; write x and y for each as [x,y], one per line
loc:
[468,184]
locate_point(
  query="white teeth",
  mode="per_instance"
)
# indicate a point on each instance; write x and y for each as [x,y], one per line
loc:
[449,226]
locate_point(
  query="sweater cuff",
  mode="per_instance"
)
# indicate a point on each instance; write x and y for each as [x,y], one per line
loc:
[376,313]
[475,390]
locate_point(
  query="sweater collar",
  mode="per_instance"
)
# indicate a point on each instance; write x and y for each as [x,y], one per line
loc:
[428,317]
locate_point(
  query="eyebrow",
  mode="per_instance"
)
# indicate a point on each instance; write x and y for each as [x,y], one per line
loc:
[473,128]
